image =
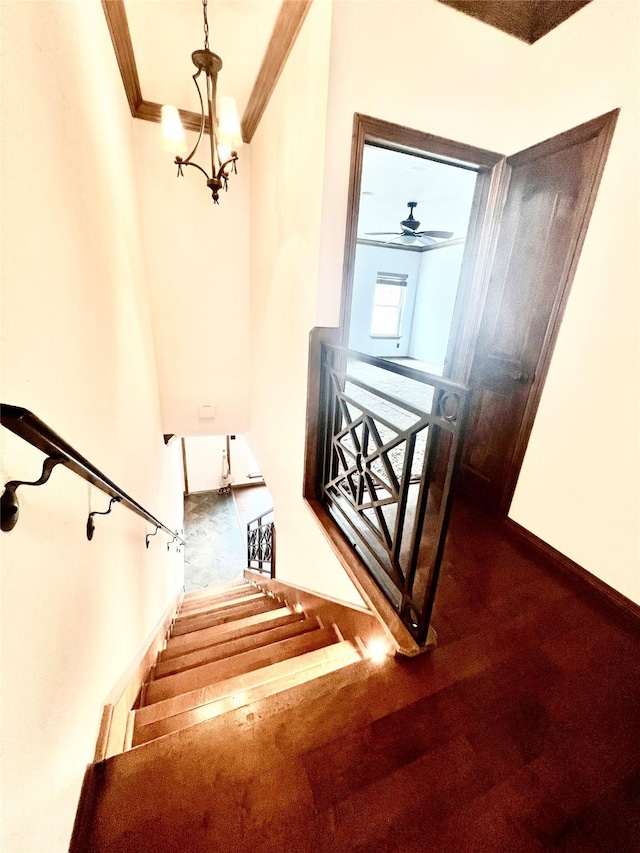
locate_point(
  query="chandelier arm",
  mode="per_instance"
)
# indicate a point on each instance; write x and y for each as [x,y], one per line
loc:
[222,173]
[195,165]
[186,161]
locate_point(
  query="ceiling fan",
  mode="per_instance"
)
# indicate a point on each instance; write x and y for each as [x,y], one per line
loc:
[410,233]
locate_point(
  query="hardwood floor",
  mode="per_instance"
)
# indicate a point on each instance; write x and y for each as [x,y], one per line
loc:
[520,733]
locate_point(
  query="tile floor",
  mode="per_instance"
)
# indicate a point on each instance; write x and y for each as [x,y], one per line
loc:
[215,535]
[215,550]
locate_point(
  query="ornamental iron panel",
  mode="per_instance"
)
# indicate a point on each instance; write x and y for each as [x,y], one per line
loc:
[389,446]
[261,544]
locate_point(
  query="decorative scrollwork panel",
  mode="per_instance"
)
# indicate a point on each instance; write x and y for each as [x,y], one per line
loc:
[261,551]
[386,472]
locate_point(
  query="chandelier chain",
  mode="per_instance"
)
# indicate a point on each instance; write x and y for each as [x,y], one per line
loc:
[206,25]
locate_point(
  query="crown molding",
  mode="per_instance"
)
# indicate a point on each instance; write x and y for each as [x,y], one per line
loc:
[287,26]
[285,31]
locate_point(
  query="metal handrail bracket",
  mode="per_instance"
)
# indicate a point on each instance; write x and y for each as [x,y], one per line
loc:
[27,426]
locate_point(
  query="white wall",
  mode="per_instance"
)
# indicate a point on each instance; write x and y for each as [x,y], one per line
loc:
[579,488]
[370,260]
[243,462]
[77,350]
[203,455]
[435,300]
[287,160]
[198,255]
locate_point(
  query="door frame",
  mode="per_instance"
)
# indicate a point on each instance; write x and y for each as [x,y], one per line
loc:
[492,184]
[481,235]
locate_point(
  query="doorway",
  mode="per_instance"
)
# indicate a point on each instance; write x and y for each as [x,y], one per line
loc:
[224,490]
[526,225]
[411,233]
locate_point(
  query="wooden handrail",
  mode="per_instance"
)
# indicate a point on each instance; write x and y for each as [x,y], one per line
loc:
[25,424]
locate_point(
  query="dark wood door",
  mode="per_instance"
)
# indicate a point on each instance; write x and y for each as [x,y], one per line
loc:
[551,191]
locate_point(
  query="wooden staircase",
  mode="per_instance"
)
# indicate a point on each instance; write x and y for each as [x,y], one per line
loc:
[227,649]
[230,649]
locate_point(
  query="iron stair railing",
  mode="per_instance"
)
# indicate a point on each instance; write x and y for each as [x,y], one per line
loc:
[389,445]
[261,544]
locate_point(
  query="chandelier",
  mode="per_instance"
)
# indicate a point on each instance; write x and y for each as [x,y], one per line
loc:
[224,130]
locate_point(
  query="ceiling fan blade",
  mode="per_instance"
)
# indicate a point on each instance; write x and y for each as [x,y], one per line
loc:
[382,234]
[442,235]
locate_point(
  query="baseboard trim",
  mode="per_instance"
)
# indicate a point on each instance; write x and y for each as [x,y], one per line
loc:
[607,594]
[113,725]
[247,485]
[355,623]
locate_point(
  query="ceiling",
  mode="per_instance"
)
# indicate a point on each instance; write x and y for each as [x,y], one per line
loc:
[154,40]
[164,34]
[527,20]
[390,179]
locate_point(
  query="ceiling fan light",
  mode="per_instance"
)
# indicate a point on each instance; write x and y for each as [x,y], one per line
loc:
[173,139]
[229,133]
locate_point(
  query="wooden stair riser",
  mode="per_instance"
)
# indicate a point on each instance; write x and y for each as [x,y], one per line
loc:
[178,646]
[212,692]
[249,661]
[215,606]
[223,651]
[232,614]
[342,655]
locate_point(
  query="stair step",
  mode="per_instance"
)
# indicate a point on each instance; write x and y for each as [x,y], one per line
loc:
[178,646]
[204,704]
[213,598]
[222,651]
[216,605]
[249,661]
[211,692]
[217,590]
[231,614]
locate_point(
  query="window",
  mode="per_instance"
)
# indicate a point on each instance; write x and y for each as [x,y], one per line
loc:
[388,305]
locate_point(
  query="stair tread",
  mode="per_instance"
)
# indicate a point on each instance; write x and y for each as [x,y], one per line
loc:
[230,614]
[240,691]
[217,605]
[226,650]
[231,630]
[212,599]
[242,664]
[211,591]
[240,683]
[216,589]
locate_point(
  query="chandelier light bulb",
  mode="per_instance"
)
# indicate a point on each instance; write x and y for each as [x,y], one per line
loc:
[173,140]
[224,152]
[172,130]
[229,133]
